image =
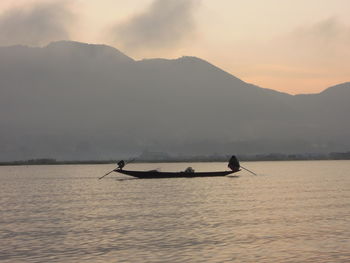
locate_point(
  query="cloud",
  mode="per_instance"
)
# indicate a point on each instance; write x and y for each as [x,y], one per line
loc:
[324,43]
[166,23]
[37,25]
[329,32]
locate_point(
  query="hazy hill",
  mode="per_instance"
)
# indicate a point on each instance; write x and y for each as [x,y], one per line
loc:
[74,100]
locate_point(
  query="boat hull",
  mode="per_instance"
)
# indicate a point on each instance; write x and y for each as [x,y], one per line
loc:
[155,174]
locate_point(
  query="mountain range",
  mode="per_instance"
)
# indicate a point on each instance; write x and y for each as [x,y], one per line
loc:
[72,100]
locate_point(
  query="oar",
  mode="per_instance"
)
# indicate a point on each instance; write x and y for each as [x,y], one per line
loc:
[130,161]
[248,170]
[114,169]
[105,175]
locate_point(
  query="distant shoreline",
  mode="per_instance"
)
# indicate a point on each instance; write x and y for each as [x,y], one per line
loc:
[190,159]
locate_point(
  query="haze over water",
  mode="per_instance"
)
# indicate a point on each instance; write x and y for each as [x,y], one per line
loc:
[290,212]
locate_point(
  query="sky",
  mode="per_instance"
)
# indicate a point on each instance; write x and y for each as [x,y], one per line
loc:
[293,46]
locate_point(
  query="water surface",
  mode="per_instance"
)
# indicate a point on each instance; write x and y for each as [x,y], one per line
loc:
[290,212]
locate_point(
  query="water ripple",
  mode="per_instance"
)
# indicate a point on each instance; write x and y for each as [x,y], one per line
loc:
[64,214]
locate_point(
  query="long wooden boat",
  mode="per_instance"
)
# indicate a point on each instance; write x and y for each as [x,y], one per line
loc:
[156,174]
[188,173]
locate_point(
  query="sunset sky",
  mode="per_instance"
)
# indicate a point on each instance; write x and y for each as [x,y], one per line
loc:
[294,46]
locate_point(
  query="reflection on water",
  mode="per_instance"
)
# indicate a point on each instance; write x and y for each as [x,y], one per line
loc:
[296,212]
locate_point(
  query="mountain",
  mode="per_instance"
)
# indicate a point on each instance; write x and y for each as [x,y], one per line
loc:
[71,100]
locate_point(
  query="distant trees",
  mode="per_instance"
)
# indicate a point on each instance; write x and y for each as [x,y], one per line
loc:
[164,157]
[41,161]
[340,156]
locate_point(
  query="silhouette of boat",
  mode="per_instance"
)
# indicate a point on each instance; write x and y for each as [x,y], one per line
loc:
[157,174]
[188,173]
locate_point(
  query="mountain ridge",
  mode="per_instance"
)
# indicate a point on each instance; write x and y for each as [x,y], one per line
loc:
[99,103]
[75,45]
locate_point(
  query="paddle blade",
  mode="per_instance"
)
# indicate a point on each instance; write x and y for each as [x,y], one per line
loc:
[248,170]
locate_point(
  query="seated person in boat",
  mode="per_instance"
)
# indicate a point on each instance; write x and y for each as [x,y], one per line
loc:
[233,164]
[189,170]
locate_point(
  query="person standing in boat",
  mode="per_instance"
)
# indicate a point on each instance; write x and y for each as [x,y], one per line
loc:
[121,164]
[233,164]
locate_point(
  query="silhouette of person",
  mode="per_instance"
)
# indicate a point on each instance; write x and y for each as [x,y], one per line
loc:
[121,164]
[233,164]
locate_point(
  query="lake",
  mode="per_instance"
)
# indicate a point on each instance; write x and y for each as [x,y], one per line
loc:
[296,211]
